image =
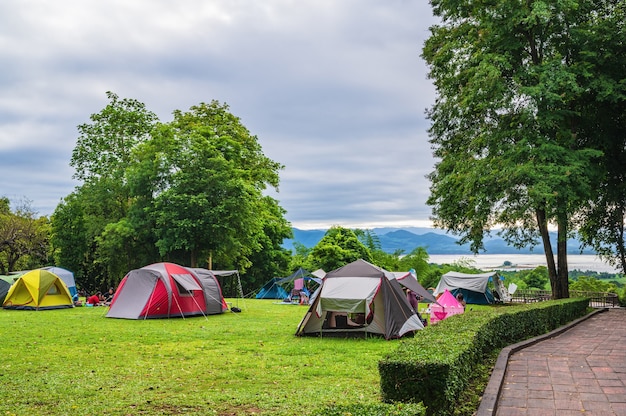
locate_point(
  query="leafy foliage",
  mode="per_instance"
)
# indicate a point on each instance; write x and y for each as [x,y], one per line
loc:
[514,81]
[24,238]
[338,247]
[437,366]
[591,284]
[602,222]
[189,191]
[104,146]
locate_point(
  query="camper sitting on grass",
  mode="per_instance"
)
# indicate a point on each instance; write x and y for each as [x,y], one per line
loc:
[109,296]
[94,300]
[76,300]
[459,297]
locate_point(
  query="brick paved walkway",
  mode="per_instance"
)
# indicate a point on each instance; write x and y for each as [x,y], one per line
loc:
[579,372]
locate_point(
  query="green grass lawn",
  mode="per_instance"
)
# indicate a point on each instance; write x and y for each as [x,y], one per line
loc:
[76,361]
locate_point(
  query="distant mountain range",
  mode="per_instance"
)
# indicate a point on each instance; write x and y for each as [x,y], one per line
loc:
[434,240]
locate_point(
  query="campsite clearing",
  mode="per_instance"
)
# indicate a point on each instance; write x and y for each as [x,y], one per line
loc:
[76,361]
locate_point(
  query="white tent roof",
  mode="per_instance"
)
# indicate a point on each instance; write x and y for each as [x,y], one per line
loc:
[474,282]
[347,294]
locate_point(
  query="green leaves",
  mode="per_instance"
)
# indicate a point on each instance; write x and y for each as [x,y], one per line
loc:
[103,148]
[210,179]
[23,238]
[517,85]
[338,247]
[188,191]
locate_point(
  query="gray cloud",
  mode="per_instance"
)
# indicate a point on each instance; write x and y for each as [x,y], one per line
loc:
[335,91]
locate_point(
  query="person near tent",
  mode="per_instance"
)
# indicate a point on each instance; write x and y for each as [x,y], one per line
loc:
[412,298]
[108,297]
[304,297]
[76,300]
[94,300]
[459,297]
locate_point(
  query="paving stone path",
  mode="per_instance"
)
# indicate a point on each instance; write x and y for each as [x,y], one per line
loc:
[579,372]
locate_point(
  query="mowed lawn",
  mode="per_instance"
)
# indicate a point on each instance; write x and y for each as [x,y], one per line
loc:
[78,362]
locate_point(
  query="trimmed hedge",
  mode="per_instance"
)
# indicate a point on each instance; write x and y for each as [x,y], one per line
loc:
[437,364]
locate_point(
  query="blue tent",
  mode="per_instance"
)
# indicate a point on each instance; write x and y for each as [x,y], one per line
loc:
[301,274]
[272,290]
[474,287]
[471,297]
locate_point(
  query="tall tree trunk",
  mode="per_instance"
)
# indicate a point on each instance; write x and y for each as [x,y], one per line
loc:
[561,289]
[194,257]
[12,258]
[547,247]
[621,250]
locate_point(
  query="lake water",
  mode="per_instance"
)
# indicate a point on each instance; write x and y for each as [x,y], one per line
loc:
[486,262]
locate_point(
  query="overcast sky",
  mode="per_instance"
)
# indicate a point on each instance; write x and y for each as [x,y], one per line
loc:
[335,90]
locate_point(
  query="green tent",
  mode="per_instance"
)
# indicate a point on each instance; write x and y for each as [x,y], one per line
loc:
[5,285]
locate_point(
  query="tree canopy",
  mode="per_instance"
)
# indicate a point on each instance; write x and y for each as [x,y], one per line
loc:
[602,221]
[23,238]
[513,81]
[338,247]
[188,191]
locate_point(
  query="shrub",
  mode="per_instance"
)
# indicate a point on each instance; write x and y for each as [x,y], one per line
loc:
[436,365]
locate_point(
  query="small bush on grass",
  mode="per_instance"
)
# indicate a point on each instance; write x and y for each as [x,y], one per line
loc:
[436,366]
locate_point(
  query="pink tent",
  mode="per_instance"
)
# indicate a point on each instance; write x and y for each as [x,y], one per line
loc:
[446,306]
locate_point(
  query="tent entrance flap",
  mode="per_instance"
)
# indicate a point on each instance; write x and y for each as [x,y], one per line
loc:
[138,289]
[186,281]
[344,305]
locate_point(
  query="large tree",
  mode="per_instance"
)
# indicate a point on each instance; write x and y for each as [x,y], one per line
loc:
[602,221]
[506,125]
[90,233]
[338,247]
[104,146]
[208,176]
[271,259]
[70,239]
[188,191]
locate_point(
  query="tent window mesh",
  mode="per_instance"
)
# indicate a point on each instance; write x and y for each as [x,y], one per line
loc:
[182,291]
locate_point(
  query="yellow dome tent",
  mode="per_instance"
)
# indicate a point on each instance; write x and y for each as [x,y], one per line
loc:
[37,290]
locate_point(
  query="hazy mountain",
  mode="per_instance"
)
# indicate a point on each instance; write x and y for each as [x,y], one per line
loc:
[434,240]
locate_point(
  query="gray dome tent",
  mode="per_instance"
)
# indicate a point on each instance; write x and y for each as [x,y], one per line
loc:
[359,299]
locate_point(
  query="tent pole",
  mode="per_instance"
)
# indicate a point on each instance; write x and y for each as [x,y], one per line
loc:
[180,310]
[198,305]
